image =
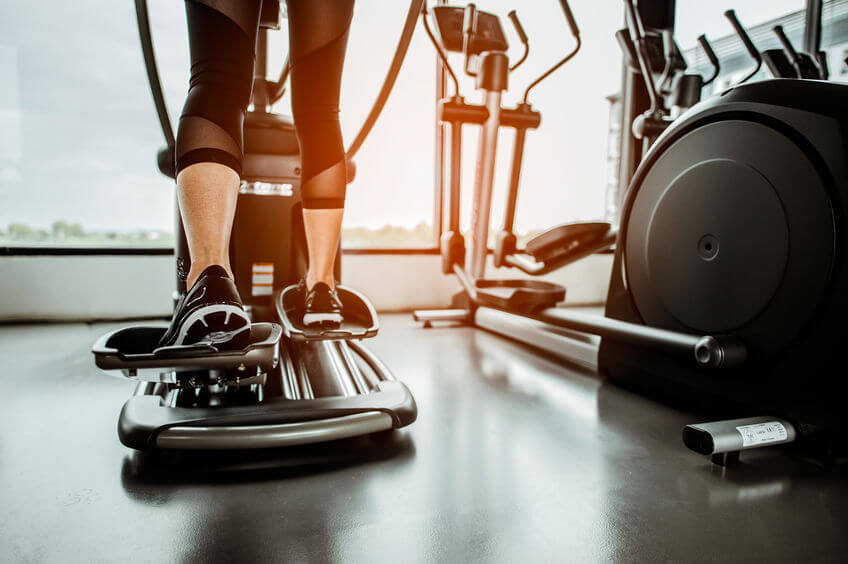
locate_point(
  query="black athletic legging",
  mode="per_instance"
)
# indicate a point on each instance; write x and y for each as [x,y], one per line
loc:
[222,38]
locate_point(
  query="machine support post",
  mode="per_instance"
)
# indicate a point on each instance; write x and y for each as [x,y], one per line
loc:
[260,97]
[483,182]
[514,177]
[455,177]
[439,156]
[812,27]
[492,80]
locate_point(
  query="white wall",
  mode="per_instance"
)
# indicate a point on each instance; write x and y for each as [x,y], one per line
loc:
[84,287]
[112,287]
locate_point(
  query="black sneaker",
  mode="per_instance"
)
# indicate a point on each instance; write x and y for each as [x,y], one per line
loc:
[322,306]
[211,311]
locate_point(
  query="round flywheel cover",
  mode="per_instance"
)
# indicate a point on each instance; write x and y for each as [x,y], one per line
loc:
[731,231]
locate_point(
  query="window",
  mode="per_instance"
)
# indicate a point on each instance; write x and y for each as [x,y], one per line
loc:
[77,153]
[77,157]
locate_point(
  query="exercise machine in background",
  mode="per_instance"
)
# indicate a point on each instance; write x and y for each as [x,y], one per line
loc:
[785,62]
[480,38]
[471,32]
[291,385]
[729,274]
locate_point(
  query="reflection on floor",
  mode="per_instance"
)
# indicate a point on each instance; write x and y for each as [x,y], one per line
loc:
[513,458]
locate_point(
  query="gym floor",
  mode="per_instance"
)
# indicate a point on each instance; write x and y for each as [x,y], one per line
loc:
[513,458]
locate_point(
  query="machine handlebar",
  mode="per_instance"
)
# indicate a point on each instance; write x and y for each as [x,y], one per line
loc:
[708,51]
[513,17]
[746,41]
[469,20]
[787,45]
[572,23]
[519,29]
[575,31]
[143,19]
[469,28]
[743,35]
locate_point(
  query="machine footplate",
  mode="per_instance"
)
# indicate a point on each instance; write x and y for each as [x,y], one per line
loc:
[360,318]
[134,349]
[566,239]
[520,295]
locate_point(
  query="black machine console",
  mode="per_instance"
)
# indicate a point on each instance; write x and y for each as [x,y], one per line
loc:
[488,35]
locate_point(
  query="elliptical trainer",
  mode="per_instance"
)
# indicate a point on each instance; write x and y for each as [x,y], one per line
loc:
[292,384]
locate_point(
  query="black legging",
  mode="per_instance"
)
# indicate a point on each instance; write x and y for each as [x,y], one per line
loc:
[222,38]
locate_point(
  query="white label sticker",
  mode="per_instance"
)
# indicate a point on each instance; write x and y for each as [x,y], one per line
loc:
[262,279]
[761,433]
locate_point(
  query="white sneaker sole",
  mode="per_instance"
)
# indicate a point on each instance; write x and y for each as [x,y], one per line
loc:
[201,314]
[316,318]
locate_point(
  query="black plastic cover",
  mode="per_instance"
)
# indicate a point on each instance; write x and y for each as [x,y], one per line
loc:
[563,238]
[489,34]
[518,295]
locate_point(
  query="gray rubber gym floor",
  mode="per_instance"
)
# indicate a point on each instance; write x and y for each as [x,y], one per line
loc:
[514,458]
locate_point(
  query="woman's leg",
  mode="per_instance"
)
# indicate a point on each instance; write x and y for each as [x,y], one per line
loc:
[209,153]
[318,31]
[207,195]
[222,38]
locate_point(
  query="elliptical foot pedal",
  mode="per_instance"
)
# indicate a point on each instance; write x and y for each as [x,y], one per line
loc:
[360,317]
[133,350]
[565,239]
[526,296]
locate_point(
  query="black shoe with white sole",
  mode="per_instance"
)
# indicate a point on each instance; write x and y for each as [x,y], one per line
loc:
[322,306]
[210,311]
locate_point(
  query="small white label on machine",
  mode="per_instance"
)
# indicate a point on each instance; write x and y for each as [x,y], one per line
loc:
[760,433]
[262,283]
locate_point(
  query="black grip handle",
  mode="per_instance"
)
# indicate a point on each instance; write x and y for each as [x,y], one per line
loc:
[708,49]
[469,30]
[743,35]
[513,17]
[634,21]
[787,45]
[469,20]
[575,31]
